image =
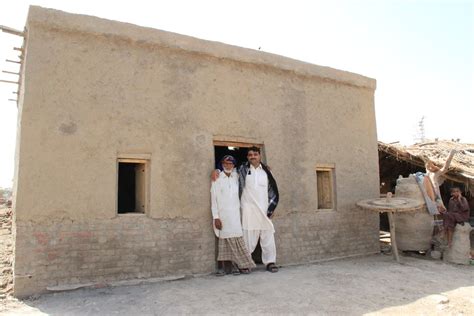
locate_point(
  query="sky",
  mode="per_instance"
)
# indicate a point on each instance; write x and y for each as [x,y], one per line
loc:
[421,52]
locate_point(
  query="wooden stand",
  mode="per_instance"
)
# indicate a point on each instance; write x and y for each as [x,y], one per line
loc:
[390,206]
[393,240]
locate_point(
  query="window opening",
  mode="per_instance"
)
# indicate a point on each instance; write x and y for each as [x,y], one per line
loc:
[131,186]
[325,187]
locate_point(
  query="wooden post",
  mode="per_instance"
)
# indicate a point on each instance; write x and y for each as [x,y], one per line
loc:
[9,81]
[10,72]
[393,239]
[11,30]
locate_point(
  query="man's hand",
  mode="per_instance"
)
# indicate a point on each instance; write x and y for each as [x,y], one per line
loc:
[441,209]
[214,175]
[218,223]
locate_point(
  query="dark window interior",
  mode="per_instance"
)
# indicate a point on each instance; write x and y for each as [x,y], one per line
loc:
[126,187]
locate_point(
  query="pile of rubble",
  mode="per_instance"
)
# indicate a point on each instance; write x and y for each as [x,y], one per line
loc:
[6,252]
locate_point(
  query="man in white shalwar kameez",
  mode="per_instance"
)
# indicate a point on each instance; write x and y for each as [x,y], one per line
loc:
[225,206]
[259,198]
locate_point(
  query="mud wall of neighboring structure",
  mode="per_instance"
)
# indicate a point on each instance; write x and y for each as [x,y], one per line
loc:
[95,90]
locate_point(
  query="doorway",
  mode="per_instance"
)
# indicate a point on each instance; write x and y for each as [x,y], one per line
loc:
[239,151]
[236,149]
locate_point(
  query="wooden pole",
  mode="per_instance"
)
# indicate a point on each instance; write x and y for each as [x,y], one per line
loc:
[8,81]
[393,238]
[10,72]
[10,30]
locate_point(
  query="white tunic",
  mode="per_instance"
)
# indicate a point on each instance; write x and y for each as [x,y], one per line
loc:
[225,205]
[254,201]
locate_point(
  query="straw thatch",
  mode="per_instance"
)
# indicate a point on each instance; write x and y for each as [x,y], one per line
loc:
[461,168]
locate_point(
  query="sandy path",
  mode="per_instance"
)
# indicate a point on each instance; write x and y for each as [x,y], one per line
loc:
[6,252]
[374,284]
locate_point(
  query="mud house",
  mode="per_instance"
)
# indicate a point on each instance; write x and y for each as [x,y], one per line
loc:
[120,127]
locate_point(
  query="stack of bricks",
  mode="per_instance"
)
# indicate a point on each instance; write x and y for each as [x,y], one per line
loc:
[6,252]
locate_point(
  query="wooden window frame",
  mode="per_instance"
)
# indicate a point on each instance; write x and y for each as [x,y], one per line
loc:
[136,159]
[330,168]
[236,144]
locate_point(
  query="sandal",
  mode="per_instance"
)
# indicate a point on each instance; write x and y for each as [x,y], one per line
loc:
[245,271]
[220,272]
[235,270]
[271,267]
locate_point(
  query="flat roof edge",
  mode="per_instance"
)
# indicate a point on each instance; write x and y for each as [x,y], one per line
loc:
[61,20]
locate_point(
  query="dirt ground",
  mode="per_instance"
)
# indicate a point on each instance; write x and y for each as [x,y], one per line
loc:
[6,252]
[374,285]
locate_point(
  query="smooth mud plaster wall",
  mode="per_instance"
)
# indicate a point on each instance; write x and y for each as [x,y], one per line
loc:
[95,89]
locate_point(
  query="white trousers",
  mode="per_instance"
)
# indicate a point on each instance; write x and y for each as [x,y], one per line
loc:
[267,243]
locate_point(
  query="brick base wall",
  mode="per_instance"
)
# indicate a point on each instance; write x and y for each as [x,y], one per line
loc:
[135,246]
[126,247]
[306,237]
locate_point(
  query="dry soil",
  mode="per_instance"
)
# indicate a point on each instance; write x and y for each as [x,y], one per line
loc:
[369,285]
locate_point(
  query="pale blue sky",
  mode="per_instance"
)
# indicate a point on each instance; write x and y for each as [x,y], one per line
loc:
[420,52]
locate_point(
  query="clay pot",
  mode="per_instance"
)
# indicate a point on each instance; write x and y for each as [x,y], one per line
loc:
[413,229]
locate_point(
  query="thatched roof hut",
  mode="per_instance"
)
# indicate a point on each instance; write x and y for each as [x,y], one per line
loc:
[462,166]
